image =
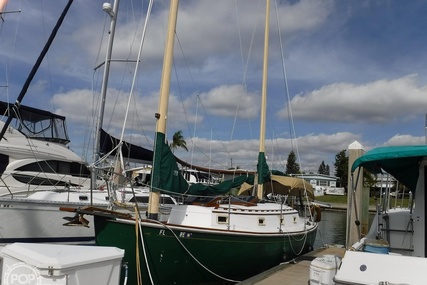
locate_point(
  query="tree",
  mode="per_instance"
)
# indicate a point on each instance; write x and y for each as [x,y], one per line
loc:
[341,168]
[323,169]
[369,180]
[292,167]
[178,141]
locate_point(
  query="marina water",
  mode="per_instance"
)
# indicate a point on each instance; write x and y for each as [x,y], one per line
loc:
[332,228]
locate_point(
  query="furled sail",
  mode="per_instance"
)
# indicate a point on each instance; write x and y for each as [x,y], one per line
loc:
[130,151]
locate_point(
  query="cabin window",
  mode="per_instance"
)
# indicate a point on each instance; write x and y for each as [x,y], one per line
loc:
[222,219]
[4,161]
[261,221]
[55,166]
[83,198]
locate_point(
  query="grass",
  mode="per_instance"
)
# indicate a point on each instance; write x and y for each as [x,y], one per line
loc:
[403,203]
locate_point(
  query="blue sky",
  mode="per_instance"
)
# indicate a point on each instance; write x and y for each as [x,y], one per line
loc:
[355,70]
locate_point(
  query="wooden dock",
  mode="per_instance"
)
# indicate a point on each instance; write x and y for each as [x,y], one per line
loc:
[293,273]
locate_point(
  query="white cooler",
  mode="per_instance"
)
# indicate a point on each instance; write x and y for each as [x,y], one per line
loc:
[323,270]
[34,264]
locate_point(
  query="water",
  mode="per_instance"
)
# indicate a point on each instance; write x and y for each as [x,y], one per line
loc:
[332,228]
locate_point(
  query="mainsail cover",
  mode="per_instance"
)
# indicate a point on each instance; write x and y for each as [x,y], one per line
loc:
[166,175]
[131,151]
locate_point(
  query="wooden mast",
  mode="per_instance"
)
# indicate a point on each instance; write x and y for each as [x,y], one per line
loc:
[161,116]
[264,95]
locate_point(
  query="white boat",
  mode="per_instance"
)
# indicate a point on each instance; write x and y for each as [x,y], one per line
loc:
[34,154]
[40,174]
[394,251]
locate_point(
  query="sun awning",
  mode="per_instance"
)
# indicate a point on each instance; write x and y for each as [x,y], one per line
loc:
[402,162]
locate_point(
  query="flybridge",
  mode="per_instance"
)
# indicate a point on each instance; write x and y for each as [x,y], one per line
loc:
[36,123]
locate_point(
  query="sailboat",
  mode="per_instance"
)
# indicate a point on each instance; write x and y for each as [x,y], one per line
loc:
[210,239]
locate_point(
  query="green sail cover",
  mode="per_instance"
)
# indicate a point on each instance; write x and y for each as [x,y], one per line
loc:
[220,188]
[166,175]
[262,169]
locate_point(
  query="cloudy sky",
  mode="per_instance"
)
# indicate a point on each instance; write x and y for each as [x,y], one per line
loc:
[339,72]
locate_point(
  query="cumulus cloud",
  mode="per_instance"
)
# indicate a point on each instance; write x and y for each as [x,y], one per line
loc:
[405,140]
[378,102]
[346,80]
[229,100]
[311,150]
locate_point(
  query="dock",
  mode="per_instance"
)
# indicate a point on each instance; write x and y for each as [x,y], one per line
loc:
[296,272]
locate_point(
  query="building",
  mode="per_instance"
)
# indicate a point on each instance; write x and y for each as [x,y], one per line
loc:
[323,184]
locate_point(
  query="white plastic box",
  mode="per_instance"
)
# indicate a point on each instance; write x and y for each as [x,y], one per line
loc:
[323,270]
[35,264]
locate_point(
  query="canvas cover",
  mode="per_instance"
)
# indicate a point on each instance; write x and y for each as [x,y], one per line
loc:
[36,123]
[402,162]
[281,184]
[130,151]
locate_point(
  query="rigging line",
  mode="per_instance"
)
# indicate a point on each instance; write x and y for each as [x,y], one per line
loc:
[293,132]
[47,55]
[211,125]
[183,107]
[199,99]
[37,65]
[290,116]
[194,131]
[150,5]
[245,69]
[178,81]
[198,96]
[240,39]
[8,71]
[191,255]
[138,60]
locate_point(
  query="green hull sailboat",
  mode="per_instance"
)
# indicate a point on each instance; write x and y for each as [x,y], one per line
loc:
[210,239]
[180,254]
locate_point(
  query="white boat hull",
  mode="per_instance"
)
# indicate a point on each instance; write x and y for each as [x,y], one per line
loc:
[27,221]
[38,217]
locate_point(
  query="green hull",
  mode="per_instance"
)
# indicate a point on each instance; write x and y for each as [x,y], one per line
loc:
[223,257]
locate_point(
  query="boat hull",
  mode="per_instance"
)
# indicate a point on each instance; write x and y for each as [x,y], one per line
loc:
[185,255]
[29,221]
[39,218]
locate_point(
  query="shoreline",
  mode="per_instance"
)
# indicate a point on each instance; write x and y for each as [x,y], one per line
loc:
[337,207]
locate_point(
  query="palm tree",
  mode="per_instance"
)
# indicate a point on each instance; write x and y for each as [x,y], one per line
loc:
[178,141]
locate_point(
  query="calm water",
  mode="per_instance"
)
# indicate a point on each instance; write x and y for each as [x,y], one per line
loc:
[332,229]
